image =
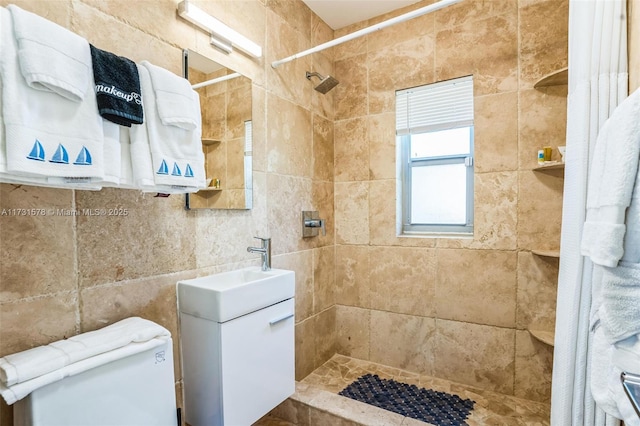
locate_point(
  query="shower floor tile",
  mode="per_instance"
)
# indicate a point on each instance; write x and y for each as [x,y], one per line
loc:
[319,390]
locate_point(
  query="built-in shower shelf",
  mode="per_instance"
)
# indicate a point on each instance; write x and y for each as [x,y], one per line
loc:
[546,253]
[210,189]
[556,78]
[547,337]
[210,141]
[551,165]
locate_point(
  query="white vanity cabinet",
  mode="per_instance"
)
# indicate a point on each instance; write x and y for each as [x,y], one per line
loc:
[238,370]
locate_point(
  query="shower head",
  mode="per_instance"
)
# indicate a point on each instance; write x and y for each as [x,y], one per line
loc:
[326,83]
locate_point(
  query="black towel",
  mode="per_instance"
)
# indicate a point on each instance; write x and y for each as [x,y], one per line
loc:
[117,88]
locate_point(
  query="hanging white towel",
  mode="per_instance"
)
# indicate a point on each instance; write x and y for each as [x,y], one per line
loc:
[12,394]
[625,357]
[5,24]
[178,104]
[611,183]
[51,58]
[140,151]
[112,154]
[141,165]
[32,363]
[126,170]
[619,311]
[47,135]
[608,363]
[176,152]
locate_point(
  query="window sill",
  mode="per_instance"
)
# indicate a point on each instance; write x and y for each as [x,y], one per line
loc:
[447,235]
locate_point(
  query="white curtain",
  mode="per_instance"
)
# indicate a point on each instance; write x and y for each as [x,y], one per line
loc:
[597,84]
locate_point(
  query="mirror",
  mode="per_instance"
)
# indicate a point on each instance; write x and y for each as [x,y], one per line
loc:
[225,101]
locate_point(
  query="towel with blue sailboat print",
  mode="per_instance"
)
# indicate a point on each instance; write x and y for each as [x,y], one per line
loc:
[174,129]
[44,181]
[48,134]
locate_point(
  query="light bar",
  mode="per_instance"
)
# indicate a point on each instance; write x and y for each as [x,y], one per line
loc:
[225,46]
[218,30]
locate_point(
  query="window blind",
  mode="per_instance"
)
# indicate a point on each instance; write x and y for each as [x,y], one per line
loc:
[435,106]
[248,137]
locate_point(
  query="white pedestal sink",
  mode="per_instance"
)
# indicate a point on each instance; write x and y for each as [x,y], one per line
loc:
[237,344]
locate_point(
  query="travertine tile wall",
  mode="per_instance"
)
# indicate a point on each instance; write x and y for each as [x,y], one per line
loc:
[634,45]
[457,309]
[61,275]
[454,308]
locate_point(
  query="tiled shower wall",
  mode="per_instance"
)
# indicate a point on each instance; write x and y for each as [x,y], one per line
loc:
[61,275]
[448,307]
[454,308]
[634,45]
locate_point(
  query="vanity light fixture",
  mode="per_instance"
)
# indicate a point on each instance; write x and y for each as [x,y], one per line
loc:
[225,46]
[222,36]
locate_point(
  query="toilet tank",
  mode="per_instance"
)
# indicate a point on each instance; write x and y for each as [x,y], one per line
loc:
[137,390]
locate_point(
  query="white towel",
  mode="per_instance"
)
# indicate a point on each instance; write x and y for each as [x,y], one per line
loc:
[632,222]
[126,170]
[112,152]
[32,363]
[140,151]
[600,373]
[47,135]
[5,24]
[611,182]
[51,57]
[606,386]
[141,164]
[176,153]
[626,357]
[178,104]
[12,394]
[619,311]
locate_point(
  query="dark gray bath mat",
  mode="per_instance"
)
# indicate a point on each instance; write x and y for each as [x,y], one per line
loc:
[438,408]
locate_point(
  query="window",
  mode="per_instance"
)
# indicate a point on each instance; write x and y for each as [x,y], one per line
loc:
[434,128]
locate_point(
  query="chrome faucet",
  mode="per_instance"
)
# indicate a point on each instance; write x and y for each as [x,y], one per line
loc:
[265,252]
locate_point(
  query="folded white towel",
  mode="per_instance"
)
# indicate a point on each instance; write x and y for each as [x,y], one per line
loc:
[626,354]
[176,153]
[140,155]
[112,154]
[632,222]
[140,151]
[126,170]
[32,363]
[5,24]
[12,394]
[601,371]
[611,182]
[141,164]
[606,387]
[47,135]
[178,104]
[619,311]
[626,357]
[51,58]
